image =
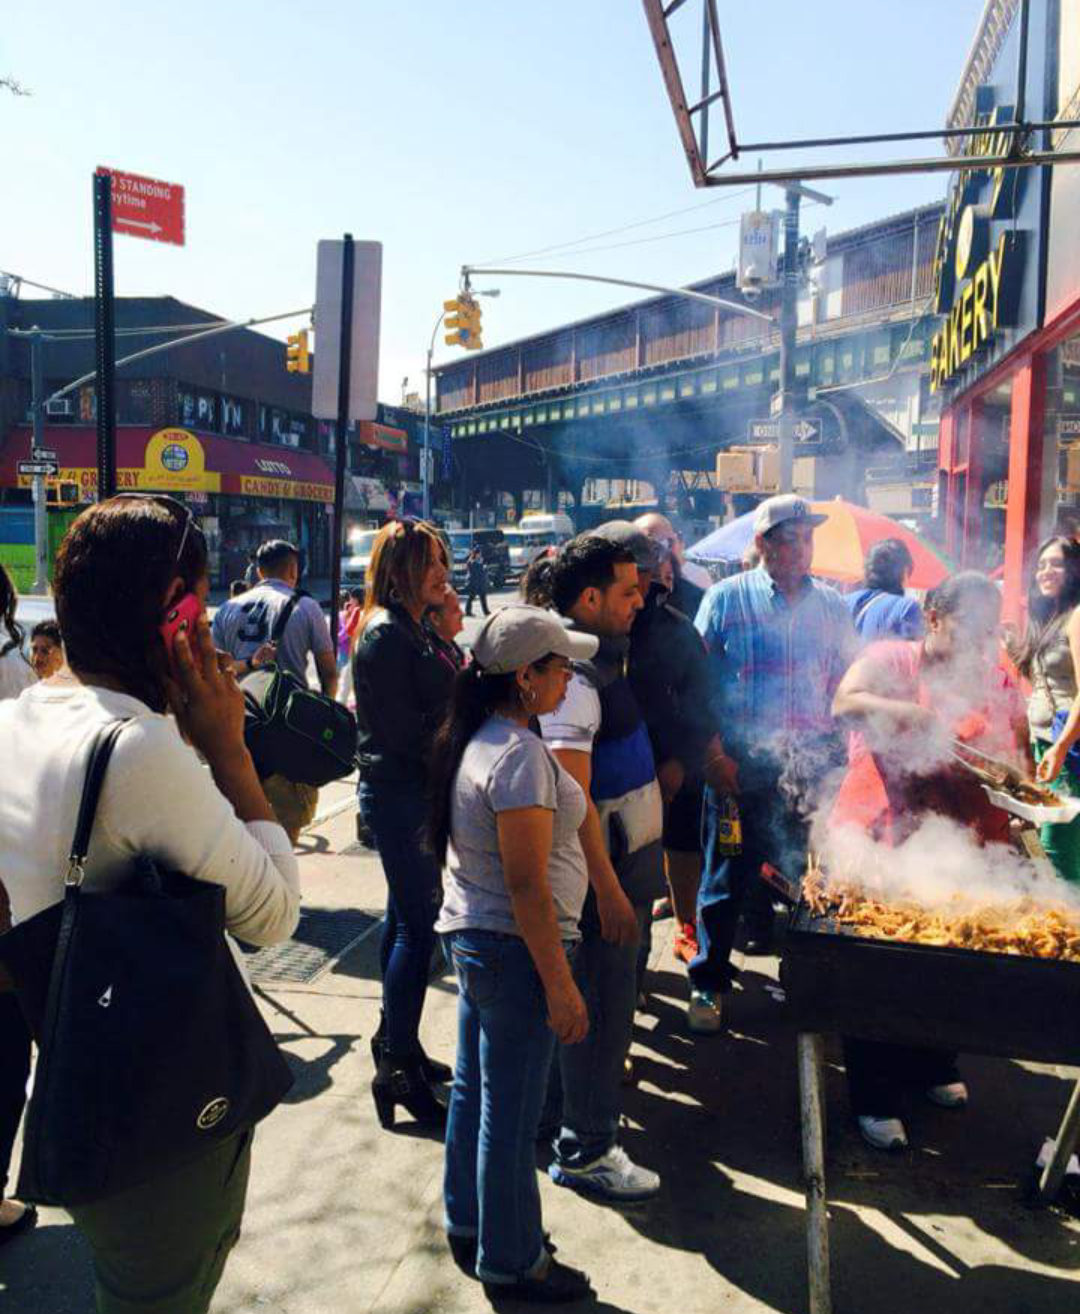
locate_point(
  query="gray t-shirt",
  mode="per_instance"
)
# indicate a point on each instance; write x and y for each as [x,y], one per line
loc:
[242,625]
[505,767]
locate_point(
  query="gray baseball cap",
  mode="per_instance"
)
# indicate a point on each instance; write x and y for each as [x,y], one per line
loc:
[518,635]
[780,510]
[626,535]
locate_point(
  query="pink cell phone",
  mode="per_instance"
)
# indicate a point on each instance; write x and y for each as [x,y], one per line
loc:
[180,618]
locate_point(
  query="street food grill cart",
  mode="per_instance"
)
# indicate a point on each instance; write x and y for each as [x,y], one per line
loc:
[973,1001]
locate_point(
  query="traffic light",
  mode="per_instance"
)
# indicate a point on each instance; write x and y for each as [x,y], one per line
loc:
[475,339]
[456,322]
[297,353]
[463,321]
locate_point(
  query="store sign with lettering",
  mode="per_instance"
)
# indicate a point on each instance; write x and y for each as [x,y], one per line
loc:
[981,256]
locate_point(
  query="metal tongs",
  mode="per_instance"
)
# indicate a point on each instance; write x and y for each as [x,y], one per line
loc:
[993,771]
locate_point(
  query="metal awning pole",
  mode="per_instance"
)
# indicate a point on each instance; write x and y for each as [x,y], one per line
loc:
[812,1117]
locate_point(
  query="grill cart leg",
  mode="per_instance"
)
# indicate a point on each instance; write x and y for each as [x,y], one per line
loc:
[811,1108]
[1068,1135]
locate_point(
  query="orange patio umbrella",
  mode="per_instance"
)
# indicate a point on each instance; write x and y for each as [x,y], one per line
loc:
[841,543]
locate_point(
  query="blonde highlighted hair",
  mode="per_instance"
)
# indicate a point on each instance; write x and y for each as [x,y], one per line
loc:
[400,558]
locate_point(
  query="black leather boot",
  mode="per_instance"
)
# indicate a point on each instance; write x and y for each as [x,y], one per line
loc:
[402,1081]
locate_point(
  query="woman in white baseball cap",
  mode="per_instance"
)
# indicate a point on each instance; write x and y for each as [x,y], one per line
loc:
[504,825]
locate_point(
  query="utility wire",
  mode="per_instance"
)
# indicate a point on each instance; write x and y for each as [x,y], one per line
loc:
[614,232]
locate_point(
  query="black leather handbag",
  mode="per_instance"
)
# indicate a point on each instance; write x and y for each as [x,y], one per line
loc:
[151,1048]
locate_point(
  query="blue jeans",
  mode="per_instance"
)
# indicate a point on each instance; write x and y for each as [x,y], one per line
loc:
[771,832]
[394,813]
[585,1092]
[504,1052]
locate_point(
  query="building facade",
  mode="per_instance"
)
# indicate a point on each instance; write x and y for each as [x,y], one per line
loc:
[1006,360]
[219,423]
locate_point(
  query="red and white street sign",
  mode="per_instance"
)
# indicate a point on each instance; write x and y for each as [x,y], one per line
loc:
[147,207]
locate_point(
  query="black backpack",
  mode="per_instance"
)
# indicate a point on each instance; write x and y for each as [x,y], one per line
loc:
[291,730]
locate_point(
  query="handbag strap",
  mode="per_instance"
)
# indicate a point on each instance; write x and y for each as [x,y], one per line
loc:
[98,755]
[285,615]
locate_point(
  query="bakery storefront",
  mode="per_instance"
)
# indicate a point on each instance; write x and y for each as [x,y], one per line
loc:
[242,493]
[1006,357]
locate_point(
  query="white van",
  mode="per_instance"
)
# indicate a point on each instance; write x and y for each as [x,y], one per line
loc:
[536,531]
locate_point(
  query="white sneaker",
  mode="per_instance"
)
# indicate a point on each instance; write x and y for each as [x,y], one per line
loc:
[953,1095]
[883,1133]
[703,1014]
[614,1177]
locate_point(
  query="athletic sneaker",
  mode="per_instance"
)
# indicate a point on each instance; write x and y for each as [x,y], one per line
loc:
[614,1177]
[704,1012]
[883,1133]
[952,1095]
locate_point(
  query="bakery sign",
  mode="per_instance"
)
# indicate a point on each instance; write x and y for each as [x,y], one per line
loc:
[980,256]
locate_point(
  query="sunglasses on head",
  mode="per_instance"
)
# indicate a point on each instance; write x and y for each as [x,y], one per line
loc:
[171,504]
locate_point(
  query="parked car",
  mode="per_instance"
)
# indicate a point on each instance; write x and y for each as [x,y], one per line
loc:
[493,548]
[538,531]
[357,558]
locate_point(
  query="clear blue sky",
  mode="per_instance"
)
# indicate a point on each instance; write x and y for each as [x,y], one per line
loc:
[451,132]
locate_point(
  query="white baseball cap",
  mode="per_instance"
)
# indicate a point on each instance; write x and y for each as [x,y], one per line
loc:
[518,635]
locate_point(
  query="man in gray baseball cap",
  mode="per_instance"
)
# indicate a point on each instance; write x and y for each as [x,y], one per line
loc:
[518,635]
[787,508]
[779,643]
[636,541]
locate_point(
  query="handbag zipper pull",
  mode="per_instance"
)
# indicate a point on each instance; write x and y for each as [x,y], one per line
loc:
[75,873]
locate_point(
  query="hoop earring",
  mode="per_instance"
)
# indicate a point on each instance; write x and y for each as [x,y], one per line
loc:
[528,697]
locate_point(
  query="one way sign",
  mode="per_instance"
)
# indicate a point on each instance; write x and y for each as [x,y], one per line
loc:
[768,431]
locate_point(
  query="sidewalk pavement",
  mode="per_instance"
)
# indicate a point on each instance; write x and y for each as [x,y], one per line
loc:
[344,1218]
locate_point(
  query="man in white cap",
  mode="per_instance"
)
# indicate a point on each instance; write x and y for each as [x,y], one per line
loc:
[779,643]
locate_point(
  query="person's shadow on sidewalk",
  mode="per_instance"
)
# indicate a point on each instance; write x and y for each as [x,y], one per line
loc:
[739,1146]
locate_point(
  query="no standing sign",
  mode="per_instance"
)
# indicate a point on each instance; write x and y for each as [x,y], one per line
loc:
[146,207]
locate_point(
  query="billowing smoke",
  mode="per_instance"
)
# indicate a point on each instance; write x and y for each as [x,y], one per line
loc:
[941,865]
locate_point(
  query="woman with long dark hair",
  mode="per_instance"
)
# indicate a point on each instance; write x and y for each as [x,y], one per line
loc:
[504,824]
[123,565]
[16,673]
[1049,657]
[402,687]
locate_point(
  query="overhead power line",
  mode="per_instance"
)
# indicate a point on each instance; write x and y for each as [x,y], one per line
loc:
[623,228]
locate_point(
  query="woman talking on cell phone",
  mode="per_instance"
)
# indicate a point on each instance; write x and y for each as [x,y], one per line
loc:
[128,570]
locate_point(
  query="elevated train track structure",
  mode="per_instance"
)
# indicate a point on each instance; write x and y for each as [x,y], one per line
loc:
[664,385]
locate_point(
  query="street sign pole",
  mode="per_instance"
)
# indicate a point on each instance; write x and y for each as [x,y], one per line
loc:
[104,337]
[789,318]
[41,524]
[344,366]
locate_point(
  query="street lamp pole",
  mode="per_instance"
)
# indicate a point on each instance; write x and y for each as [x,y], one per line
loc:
[426,472]
[485,292]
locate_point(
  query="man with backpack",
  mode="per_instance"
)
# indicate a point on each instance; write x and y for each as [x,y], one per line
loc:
[275,624]
[247,627]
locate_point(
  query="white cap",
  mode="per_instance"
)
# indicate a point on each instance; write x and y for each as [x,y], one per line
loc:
[519,635]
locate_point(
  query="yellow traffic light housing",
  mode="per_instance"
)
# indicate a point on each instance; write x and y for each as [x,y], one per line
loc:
[298,354]
[455,320]
[463,321]
[475,341]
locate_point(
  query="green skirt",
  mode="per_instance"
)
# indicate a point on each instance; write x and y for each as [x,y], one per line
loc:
[1062,843]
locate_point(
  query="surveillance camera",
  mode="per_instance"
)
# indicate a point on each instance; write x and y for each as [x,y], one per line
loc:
[751,291]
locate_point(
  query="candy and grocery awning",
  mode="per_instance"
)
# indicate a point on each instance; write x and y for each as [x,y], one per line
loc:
[172,459]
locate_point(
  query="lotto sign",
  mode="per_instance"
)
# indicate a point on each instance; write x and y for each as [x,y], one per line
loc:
[147,207]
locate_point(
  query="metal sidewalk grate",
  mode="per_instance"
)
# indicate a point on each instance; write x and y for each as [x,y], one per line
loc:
[323,936]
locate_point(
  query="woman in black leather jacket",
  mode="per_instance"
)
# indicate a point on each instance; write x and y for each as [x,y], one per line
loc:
[402,689]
